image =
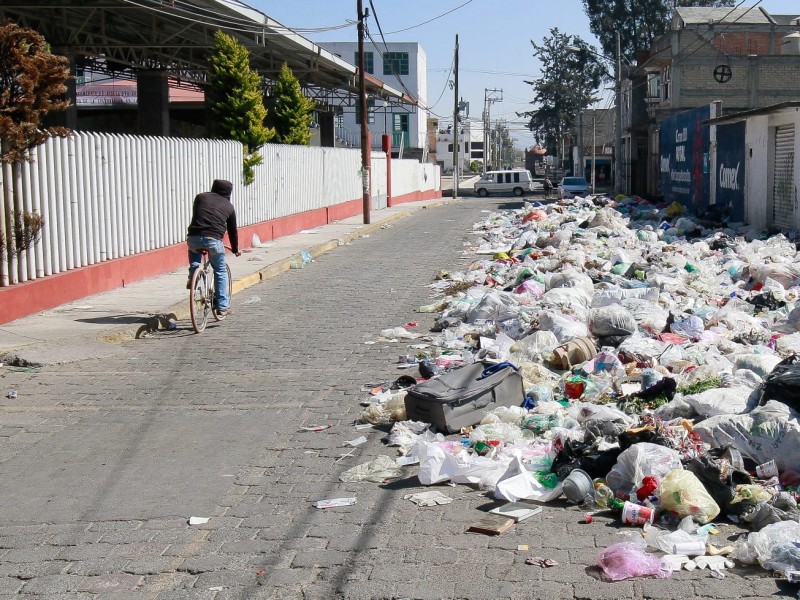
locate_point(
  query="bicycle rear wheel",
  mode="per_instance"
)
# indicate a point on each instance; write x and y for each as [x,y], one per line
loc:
[199,299]
[218,316]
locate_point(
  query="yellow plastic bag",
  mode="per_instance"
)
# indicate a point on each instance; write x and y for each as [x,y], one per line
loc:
[682,493]
[675,209]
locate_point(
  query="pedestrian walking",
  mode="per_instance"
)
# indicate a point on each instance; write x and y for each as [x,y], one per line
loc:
[548,187]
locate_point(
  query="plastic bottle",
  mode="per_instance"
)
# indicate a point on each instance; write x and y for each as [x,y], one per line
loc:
[602,495]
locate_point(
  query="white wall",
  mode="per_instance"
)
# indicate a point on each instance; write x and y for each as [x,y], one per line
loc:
[107,196]
[756,155]
[760,139]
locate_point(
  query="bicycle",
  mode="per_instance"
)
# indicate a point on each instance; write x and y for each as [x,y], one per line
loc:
[201,293]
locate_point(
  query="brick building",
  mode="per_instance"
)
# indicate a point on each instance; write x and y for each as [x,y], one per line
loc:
[733,55]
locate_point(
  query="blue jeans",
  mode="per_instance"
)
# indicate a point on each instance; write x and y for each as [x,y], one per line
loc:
[216,253]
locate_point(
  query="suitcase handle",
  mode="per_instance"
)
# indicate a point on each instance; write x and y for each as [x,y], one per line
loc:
[496,368]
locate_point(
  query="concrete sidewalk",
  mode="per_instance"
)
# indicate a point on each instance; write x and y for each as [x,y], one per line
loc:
[94,326]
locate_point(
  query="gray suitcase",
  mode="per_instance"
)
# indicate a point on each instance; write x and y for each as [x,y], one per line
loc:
[463,396]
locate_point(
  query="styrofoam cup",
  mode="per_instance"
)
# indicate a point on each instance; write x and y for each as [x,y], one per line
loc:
[691,548]
[635,514]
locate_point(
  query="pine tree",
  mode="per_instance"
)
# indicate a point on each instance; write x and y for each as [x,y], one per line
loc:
[291,113]
[236,101]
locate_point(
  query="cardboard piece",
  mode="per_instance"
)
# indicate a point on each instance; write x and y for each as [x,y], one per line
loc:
[491,525]
[519,511]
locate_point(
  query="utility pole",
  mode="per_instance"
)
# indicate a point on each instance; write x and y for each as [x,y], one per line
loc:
[487,121]
[362,103]
[618,133]
[579,169]
[455,123]
[594,146]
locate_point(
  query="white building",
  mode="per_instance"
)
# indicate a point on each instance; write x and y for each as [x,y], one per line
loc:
[401,65]
[470,145]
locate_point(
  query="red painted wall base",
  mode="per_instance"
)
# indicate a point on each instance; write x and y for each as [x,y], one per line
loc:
[31,297]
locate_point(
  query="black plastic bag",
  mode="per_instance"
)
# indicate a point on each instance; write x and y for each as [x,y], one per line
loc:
[720,480]
[578,455]
[783,383]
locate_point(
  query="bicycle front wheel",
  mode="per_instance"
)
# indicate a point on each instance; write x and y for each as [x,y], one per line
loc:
[218,316]
[199,300]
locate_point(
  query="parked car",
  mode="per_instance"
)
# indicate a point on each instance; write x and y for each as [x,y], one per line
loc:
[515,181]
[572,186]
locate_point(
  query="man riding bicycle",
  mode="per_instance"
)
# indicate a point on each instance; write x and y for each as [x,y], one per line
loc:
[212,215]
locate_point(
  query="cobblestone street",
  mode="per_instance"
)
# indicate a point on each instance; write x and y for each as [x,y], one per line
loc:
[104,461]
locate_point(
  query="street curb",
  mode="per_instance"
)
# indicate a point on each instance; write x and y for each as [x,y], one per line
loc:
[29,355]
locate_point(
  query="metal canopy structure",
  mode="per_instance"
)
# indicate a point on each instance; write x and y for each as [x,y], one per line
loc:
[123,36]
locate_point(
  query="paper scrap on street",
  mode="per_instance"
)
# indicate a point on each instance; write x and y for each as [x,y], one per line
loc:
[316,427]
[334,502]
[356,442]
[198,520]
[432,498]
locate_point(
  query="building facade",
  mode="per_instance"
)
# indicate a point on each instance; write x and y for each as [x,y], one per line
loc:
[402,65]
[733,55]
[470,146]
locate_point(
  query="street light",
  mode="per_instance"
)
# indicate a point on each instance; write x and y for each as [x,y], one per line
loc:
[618,98]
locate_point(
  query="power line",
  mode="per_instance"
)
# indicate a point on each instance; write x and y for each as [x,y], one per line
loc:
[430,20]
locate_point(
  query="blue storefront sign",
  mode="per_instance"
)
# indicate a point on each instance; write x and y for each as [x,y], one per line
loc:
[730,169]
[684,158]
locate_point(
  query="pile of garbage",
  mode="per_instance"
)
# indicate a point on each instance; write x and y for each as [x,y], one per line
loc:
[659,378]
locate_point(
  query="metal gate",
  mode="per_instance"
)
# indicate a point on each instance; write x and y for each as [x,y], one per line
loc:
[783,196]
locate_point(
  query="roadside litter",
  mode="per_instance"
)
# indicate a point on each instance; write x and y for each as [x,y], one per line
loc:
[635,360]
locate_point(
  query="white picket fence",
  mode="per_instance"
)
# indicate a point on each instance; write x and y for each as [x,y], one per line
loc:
[107,196]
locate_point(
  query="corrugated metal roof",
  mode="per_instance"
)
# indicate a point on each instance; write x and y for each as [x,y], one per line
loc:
[694,15]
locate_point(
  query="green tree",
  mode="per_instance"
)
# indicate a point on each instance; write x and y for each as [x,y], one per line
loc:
[291,113]
[639,22]
[33,82]
[571,75]
[237,102]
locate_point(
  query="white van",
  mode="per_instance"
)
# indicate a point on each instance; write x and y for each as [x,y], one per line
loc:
[517,182]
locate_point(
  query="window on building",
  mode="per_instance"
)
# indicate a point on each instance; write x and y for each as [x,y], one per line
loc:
[369,62]
[449,147]
[667,82]
[654,85]
[370,111]
[395,63]
[477,145]
[338,121]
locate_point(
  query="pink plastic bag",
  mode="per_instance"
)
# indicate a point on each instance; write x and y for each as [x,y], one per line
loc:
[629,559]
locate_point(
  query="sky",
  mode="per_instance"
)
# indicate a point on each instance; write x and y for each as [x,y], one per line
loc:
[495,37]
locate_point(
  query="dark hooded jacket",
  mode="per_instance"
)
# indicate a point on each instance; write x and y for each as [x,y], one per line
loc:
[213,214]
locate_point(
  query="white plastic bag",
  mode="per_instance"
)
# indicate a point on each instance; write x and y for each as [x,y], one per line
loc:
[758,546]
[518,483]
[564,328]
[769,432]
[720,401]
[639,460]
[611,320]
